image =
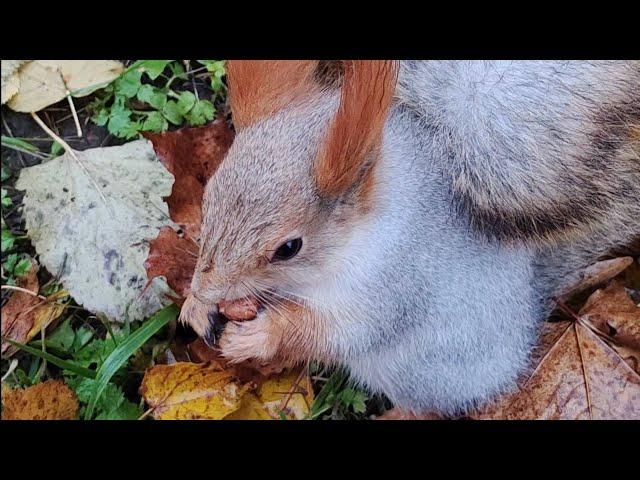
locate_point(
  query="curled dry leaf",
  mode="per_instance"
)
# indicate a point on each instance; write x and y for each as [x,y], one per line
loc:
[41,83]
[206,391]
[174,258]
[594,275]
[50,400]
[577,372]
[191,155]
[25,315]
[92,227]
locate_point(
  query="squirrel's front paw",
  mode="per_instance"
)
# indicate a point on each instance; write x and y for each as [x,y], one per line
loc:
[257,338]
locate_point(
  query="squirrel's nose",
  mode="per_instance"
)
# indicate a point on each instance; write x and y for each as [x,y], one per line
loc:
[217,322]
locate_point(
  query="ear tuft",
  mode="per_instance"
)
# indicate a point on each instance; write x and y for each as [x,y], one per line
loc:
[259,88]
[367,90]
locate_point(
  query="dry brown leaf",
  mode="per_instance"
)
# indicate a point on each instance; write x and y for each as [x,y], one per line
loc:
[616,316]
[399,414]
[173,257]
[45,82]
[191,155]
[25,315]
[578,374]
[594,275]
[50,400]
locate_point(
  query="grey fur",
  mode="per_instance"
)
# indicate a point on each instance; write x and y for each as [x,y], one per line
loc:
[422,301]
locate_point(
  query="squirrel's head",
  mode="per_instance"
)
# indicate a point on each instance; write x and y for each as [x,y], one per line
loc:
[295,182]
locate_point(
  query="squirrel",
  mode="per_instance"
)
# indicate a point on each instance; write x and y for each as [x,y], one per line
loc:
[413,220]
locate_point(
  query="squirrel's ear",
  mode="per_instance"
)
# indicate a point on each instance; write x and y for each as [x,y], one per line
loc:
[259,88]
[367,90]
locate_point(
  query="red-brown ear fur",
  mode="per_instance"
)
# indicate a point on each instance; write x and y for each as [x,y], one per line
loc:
[367,91]
[259,88]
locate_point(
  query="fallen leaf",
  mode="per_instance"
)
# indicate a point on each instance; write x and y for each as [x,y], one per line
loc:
[191,155]
[93,230]
[174,258]
[400,414]
[576,375]
[189,391]
[207,391]
[50,400]
[594,275]
[25,315]
[288,396]
[613,313]
[41,83]
[10,79]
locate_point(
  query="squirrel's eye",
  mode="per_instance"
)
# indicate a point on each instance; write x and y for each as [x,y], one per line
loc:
[287,250]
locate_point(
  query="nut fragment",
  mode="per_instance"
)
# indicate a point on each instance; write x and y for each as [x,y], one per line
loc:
[238,310]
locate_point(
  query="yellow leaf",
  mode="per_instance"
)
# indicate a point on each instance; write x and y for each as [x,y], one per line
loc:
[187,391]
[205,391]
[289,393]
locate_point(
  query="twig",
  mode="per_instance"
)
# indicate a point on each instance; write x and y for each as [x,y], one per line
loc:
[12,367]
[23,290]
[73,107]
[73,155]
[74,114]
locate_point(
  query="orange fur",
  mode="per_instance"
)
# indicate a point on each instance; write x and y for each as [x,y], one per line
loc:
[367,91]
[259,88]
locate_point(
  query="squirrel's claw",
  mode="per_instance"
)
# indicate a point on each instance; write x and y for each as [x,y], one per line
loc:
[217,323]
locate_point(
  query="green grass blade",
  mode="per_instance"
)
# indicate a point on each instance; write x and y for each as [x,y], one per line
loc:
[18,142]
[58,362]
[125,349]
[332,387]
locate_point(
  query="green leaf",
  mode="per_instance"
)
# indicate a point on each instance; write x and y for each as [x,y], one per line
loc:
[22,267]
[101,117]
[177,70]
[202,112]
[8,239]
[171,112]
[63,337]
[129,83]
[327,396]
[126,348]
[58,362]
[126,411]
[18,142]
[155,122]
[154,97]
[154,68]
[355,399]
[56,149]
[6,200]
[186,101]
[5,173]
[120,123]
[10,263]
